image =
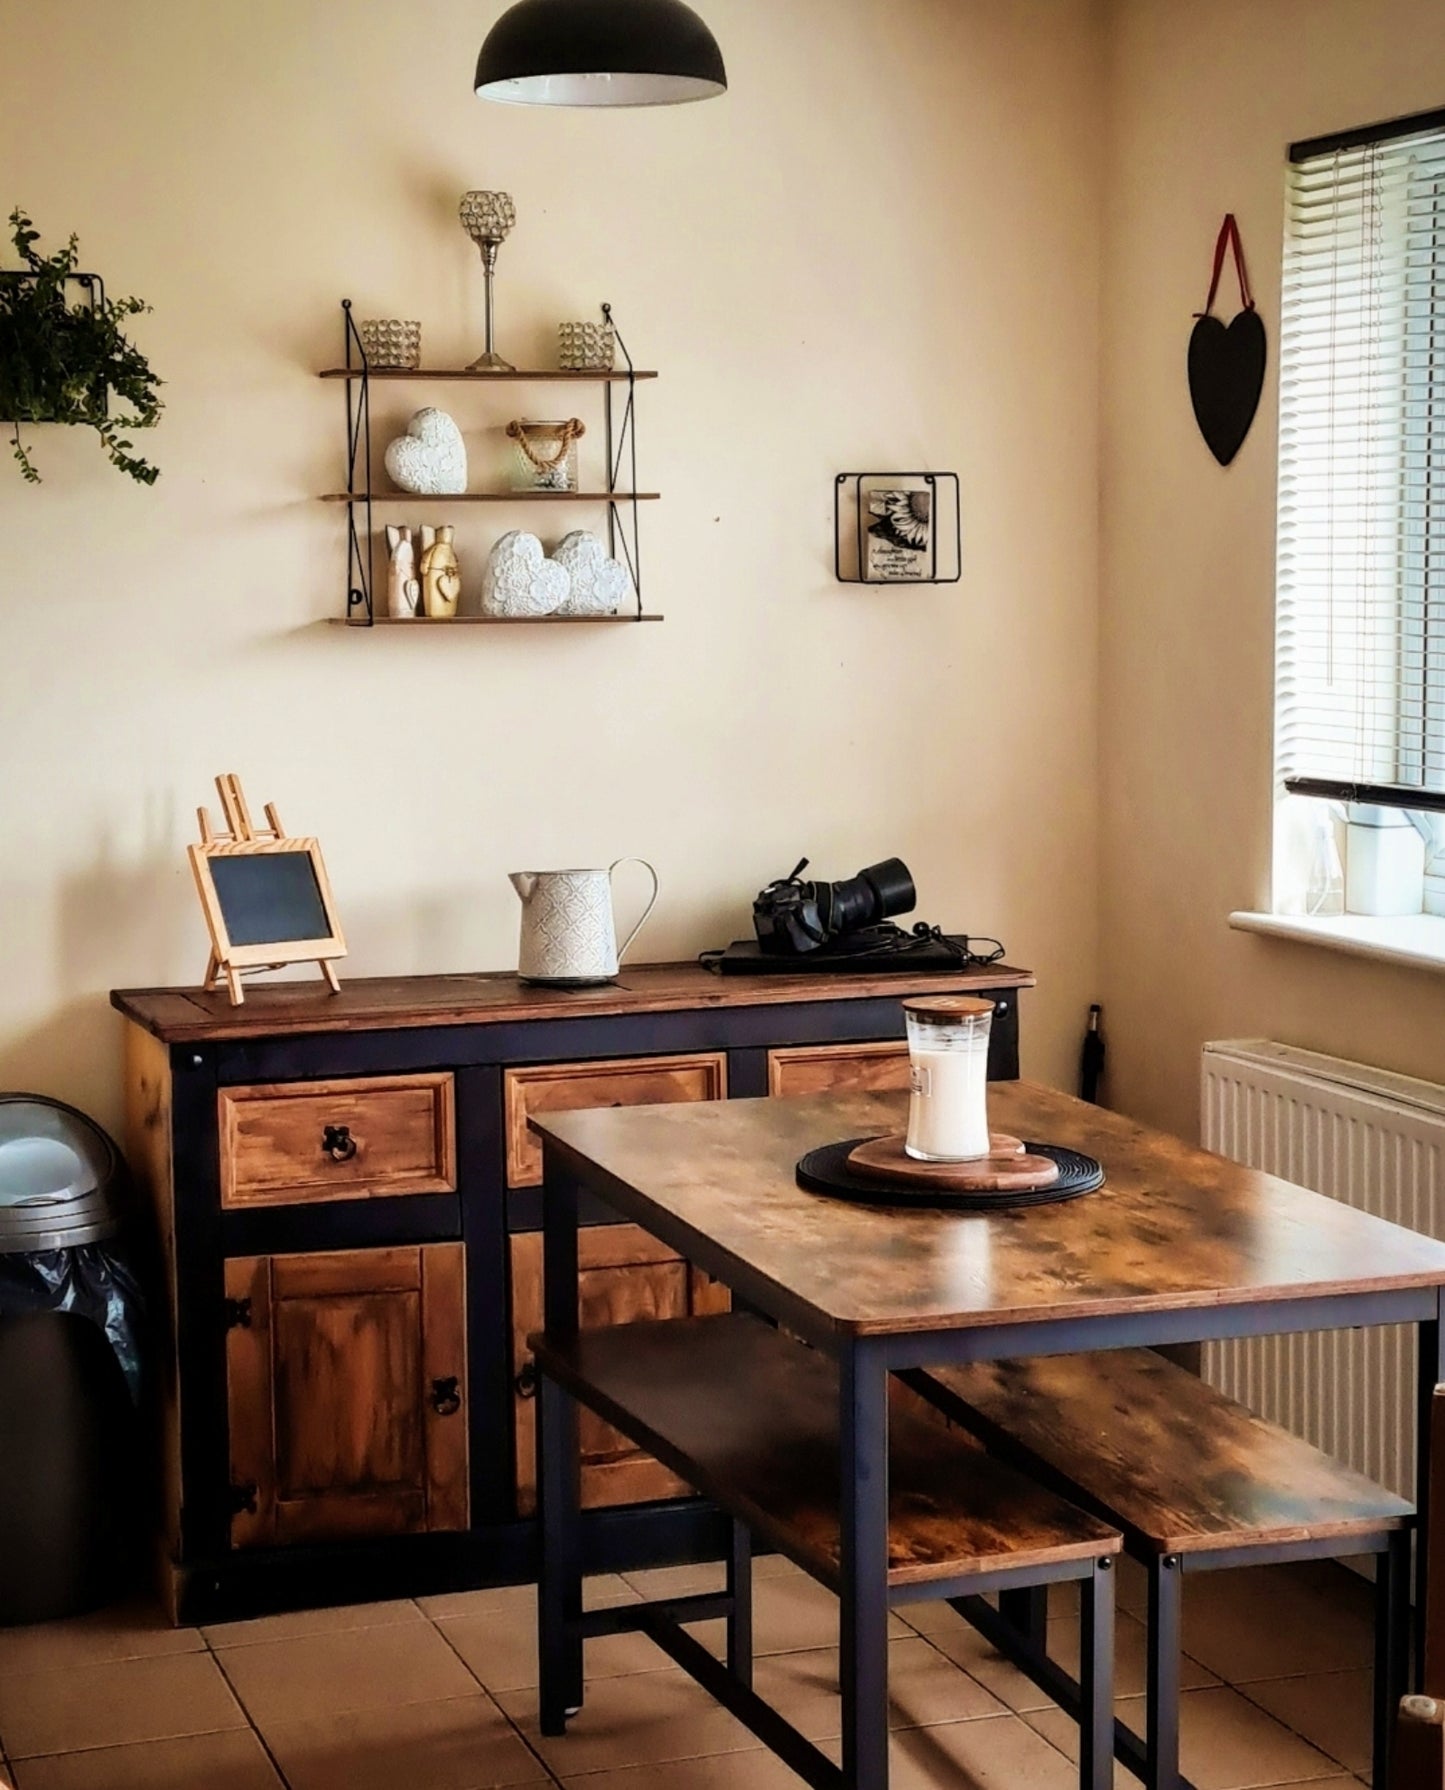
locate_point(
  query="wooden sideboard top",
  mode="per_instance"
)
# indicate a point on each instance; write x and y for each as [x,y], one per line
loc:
[392,1003]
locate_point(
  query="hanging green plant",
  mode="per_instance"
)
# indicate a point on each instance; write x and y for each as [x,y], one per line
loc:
[64,363]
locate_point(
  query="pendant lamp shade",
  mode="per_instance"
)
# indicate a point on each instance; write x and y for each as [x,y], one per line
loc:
[600,53]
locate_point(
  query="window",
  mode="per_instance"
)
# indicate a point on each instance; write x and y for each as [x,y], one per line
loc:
[1360,644]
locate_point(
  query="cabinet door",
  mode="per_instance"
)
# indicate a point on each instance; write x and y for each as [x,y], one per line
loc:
[850,1068]
[347,1384]
[625,1276]
[564,1087]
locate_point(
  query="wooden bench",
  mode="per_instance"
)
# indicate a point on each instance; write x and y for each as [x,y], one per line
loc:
[1196,1482]
[751,1419]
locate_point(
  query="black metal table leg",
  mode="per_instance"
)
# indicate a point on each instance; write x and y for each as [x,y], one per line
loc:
[863,1614]
[559,1576]
[1429,1373]
[559,1572]
[1096,1678]
[1028,1611]
[740,1611]
[1164,1641]
[1392,1646]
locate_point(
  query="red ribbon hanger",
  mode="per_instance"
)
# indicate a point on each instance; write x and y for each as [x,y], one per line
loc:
[1228,239]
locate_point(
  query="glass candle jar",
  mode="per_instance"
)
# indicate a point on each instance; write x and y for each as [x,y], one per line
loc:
[948,1070]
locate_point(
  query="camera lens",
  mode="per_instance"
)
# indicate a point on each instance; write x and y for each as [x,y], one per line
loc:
[877,893]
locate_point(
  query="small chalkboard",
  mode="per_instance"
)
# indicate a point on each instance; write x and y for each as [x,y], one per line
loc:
[266,898]
[274,896]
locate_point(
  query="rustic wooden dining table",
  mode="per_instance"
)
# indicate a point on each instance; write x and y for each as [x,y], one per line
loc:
[1179,1245]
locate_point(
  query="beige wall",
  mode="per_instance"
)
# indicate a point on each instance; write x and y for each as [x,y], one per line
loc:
[879,249]
[1203,101]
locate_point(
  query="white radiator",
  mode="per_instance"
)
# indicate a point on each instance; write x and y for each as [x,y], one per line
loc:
[1377,1142]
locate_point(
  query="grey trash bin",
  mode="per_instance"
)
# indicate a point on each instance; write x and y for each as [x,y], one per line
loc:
[71,1317]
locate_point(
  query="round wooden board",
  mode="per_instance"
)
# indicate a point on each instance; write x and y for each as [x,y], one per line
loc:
[1009,1170]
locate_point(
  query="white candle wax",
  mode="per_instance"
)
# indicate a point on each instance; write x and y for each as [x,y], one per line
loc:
[948,1103]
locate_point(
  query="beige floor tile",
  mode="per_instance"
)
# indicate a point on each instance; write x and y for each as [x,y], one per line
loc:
[792,1613]
[1131,1656]
[646,1719]
[70,1708]
[126,1631]
[678,1581]
[963,1644]
[234,1760]
[1062,1731]
[923,1686]
[998,1753]
[502,1651]
[727,1771]
[1131,1590]
[1332,1710]
[1279,1621]
[1225,1743]
[465,1743]
[597,1593]
[309,1622]
[344,1669]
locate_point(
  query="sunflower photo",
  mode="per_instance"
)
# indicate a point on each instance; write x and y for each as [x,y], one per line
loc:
[900,536]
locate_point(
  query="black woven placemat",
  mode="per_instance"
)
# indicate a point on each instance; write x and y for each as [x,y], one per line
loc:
[827,1170]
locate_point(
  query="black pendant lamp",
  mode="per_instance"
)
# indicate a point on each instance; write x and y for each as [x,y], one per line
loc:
[600,53]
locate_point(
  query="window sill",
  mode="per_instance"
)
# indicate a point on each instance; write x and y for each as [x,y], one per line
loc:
[1415,939]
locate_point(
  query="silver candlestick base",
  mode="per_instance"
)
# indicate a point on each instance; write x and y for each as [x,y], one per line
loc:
[489,362]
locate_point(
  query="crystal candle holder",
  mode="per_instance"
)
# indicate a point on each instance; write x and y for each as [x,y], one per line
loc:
[587,347]
[488,219]
[391,342]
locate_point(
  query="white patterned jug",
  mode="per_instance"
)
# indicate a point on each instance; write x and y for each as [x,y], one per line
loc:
[568,934]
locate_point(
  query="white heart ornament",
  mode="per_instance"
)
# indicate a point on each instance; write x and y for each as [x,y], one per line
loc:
[431,458]
[598,584]
[521,580]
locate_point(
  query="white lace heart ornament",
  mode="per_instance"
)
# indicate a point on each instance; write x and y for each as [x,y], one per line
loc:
[521,580]
[598,584]
[431,458]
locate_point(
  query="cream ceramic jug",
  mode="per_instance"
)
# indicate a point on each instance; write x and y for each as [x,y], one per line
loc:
[568,934]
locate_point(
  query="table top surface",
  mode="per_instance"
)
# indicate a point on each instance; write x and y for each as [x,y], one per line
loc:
[382,1003]
[1173,1228]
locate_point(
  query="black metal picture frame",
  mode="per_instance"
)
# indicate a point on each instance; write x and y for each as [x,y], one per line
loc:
[850,560]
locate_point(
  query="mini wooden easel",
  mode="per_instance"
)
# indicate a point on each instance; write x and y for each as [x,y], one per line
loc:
[227,962]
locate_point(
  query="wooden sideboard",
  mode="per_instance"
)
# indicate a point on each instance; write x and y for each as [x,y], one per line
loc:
[347,1203]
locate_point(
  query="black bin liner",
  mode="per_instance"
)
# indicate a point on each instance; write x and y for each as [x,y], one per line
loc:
[95,1281]
[72,1360]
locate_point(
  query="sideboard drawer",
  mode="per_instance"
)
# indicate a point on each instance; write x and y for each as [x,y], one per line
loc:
[564,1087]
[293,1142]
[840,1068]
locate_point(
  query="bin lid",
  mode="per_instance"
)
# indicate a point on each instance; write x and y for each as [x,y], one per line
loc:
[58,1176]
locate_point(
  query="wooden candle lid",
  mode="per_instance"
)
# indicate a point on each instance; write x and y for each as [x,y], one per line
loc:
[947,1009]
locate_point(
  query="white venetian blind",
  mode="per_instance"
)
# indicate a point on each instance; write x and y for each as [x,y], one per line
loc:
[1360,632]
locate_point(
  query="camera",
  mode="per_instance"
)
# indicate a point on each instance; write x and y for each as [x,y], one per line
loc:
[793,917]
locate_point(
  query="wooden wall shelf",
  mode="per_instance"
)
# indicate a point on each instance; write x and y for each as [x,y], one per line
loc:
[549,376]
[365,554]
[492,621]
[409,497]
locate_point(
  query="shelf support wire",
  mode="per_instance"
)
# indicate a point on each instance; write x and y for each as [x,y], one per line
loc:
[622,444]
[358,443]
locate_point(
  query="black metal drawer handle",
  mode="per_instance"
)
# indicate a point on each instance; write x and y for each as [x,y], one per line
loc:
[338,1143]
[446,1396]
[525,1384]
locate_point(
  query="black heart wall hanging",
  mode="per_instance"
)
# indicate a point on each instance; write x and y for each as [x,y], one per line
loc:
[1226,362]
